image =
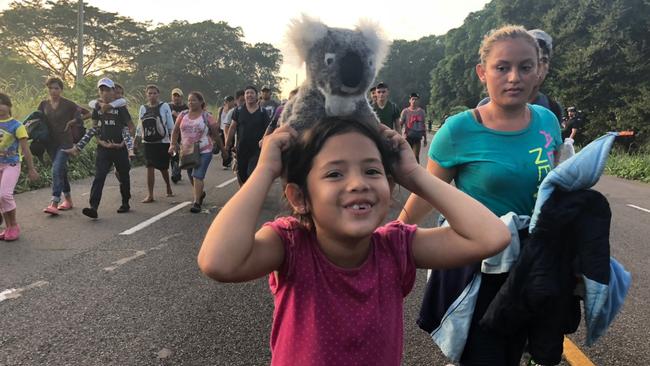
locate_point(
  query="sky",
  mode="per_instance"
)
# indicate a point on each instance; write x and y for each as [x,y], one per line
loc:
[266,21]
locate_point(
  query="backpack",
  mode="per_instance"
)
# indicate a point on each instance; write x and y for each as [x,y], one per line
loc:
[37,129]
[153,128]
[415,128]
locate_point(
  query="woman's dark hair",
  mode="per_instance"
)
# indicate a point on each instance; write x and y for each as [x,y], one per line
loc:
[54,80]
[298,160]
[5,100]
[198,96]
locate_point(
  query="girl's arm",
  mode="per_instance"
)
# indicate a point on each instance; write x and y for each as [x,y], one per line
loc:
[474,232]
[32,174]
[232,250]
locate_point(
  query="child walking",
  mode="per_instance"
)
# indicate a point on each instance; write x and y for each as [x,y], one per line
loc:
[13,143]
[337,272]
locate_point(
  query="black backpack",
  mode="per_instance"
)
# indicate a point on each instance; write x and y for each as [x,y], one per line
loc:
[153,128]
[37,129]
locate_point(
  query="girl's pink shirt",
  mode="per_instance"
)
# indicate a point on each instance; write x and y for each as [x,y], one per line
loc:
[195,130]
[328,315]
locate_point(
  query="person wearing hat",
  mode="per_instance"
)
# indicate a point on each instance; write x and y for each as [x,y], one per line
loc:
[111,149]
[412,118]
[386,111]
[61,115]
[545,43]
[177,105]
[572,124]
[267,104]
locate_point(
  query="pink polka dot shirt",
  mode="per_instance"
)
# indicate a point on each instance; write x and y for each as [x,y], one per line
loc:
[328,315]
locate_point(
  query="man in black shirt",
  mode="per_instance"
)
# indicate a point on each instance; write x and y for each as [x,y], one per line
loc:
[249,122]
[572,124]
[111,150]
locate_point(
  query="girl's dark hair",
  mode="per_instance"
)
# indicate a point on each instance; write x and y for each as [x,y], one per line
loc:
[298,160]
[198,96]
[5,100]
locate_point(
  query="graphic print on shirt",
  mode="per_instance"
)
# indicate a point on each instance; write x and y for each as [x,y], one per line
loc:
[543,162]
[8,142]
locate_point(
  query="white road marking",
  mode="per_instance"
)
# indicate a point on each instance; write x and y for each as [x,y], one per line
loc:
[120,262]
[639,208]
[164,242]
[150,221]
[14,293]
[229,181]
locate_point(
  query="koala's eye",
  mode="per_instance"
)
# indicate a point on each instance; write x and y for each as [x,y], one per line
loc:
[329,58]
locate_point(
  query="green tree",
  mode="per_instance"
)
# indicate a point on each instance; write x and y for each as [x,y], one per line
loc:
[207,56]
[44,33]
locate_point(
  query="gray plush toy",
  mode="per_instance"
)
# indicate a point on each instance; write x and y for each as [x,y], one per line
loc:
[341,65]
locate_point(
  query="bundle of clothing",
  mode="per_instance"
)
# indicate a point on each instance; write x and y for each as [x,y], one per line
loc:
[558,257]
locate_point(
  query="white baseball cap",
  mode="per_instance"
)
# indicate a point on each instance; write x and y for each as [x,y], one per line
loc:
[106,82]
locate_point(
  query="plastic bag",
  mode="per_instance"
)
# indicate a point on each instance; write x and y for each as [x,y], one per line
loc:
[567,150]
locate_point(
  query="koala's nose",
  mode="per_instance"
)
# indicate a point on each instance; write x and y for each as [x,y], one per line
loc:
[351,69]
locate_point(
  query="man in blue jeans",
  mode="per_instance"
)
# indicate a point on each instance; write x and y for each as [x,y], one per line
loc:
[61,116]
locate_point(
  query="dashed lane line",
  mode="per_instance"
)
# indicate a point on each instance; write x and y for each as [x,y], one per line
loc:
[150,221]
[639,208]
[574,356]
[14,293]
[229,181]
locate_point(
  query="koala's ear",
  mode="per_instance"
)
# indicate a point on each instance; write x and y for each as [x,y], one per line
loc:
[303,33]
[376,40]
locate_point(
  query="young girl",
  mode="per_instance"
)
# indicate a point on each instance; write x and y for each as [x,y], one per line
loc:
[498,153]
[13,142]
[338,274]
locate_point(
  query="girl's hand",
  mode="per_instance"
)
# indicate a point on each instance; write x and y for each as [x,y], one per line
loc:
[405,168]
[274,144]
[32,175]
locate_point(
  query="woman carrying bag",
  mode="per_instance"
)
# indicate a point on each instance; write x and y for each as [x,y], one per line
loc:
[199,131]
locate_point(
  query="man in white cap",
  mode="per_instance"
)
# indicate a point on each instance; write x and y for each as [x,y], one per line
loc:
[111,149]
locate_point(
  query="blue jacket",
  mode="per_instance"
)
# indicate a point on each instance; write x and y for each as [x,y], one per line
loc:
[450,297]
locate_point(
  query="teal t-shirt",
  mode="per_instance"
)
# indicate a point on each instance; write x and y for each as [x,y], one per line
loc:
[501,169]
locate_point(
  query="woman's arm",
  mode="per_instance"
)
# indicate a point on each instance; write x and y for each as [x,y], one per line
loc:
[416,208]
[232,251]
[32,174]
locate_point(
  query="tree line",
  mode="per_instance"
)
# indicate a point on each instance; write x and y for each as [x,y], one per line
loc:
[600,63]
[40,38]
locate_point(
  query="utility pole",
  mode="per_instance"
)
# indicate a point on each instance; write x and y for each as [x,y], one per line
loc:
[80,42]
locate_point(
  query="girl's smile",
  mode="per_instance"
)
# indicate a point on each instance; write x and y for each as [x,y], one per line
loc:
[349,194]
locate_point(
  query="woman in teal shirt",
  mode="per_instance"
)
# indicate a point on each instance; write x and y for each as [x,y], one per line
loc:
[498,153]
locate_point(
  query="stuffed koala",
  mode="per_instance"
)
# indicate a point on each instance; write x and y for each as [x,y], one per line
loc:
[341,65]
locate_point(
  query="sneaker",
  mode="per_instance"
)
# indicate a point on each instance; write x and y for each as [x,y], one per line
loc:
[90,212]
[66,205]
[51,209]
[176,178]
[124,208]
[196,208]
[12,233]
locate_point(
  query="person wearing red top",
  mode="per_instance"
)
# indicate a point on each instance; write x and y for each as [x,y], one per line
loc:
[337,274]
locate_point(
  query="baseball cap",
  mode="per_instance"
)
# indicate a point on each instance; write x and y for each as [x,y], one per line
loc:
[265,87]
[571,109]
[382,85]
[177,91]
[544,40]
[415,95]
[106,82]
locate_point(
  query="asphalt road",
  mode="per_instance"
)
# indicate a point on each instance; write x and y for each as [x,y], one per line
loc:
[85,295]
